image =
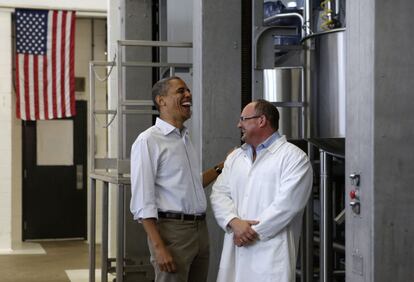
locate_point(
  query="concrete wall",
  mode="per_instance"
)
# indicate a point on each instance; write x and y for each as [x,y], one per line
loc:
[380,122]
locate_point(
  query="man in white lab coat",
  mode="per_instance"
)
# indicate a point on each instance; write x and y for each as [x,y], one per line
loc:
[259,199]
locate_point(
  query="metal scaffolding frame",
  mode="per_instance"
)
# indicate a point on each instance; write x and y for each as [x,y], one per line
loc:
[116,170]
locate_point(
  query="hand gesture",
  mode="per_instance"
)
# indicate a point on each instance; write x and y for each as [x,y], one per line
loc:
[243,232]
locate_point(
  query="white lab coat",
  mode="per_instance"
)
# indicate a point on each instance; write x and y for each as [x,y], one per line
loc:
[273,190]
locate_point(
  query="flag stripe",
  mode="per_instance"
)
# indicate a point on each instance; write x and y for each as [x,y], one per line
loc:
[67,64]
[72,65]
[54,82]
[45,97]
[49,66]
[36,86]
[26,86]
[22,87]
[18,114]
[31,88]
[62,64]
[41,109]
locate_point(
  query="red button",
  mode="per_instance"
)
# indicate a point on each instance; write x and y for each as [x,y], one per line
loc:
[352,194]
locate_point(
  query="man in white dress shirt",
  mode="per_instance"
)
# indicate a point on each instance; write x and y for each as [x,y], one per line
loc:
[167,188]
[259,199]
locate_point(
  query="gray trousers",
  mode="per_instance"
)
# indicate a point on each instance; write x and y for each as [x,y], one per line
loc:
[188,242]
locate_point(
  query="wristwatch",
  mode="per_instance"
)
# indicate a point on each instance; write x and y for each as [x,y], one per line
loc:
[218,169]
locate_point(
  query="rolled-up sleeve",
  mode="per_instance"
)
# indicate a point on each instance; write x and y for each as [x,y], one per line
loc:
[143,173]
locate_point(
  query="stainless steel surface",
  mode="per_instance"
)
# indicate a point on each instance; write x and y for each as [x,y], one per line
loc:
[138,103]
[104,243]
[287,15]
[92,228]
[327,99]
[140,112]
[306,240]
[113,178]
[149,43]
[120,100]
[120,235]
[325,248]
[283,87]
[158,65]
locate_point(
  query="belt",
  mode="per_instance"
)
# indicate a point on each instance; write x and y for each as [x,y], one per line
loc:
[181,216]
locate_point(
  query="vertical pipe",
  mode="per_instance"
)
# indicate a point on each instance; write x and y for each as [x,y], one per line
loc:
[120,235]
[309,226]
[304,105]
[307,9]
[104,245]
[307,234]
[325,218]
[303,252]
[91,116]
[92,183]
[92,226]
[308,267]
[120,101]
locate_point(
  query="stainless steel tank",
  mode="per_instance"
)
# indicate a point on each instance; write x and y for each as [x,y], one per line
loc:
[283,87]
[327,87]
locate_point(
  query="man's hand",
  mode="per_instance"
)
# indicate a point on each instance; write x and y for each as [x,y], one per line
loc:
[243,232]
[164,259]
[163,256]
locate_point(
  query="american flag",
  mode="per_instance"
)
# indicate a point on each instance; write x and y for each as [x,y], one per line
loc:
[45,80]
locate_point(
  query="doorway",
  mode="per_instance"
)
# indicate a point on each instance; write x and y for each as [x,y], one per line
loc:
[55,177]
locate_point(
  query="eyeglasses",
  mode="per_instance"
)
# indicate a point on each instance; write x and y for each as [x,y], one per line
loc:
[242,118]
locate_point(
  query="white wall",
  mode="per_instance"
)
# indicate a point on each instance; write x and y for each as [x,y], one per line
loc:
[6,120]
[93,49]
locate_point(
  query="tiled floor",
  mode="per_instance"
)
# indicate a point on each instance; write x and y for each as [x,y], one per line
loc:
[64,261]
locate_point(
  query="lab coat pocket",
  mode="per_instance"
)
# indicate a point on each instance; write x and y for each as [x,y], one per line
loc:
[267,256]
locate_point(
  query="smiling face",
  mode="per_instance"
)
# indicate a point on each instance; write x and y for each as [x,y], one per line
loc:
[251,125]
[175,104]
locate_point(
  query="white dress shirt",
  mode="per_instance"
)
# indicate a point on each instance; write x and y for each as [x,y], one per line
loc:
[165,173]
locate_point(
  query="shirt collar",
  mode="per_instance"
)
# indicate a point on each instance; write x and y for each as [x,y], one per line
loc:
[269,141]
[265,144]
[166,128]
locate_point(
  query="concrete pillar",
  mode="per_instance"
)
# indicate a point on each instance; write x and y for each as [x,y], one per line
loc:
[216,92]
[379,138]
